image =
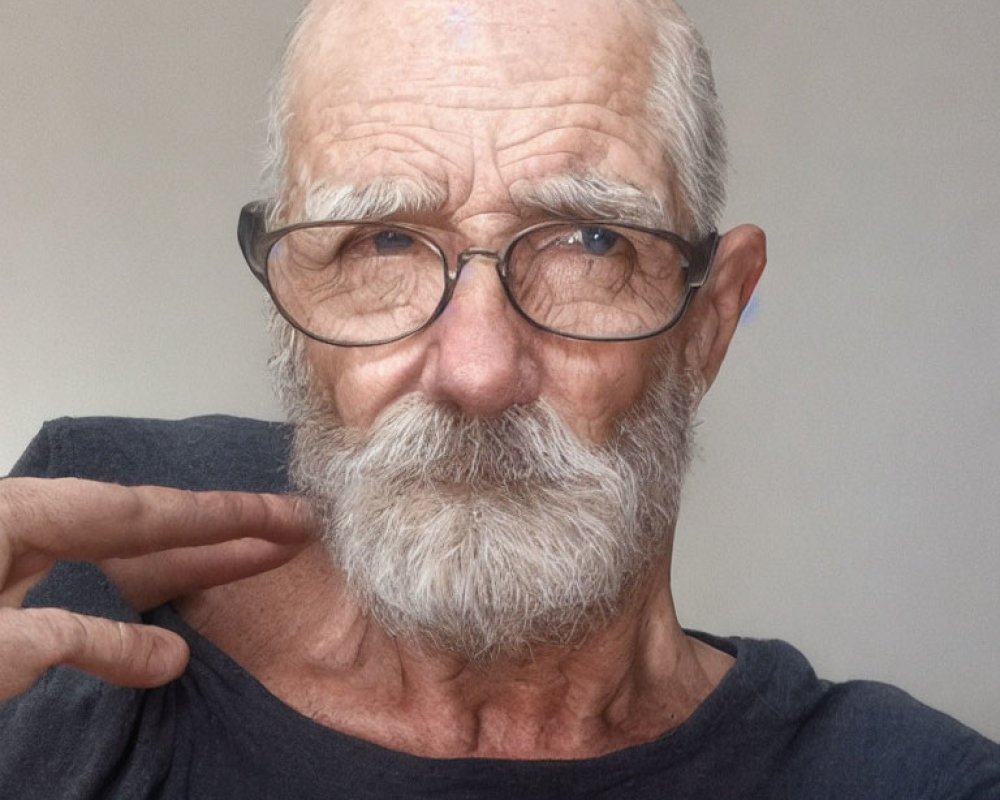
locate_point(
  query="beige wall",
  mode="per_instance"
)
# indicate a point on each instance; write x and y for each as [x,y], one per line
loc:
[847,496]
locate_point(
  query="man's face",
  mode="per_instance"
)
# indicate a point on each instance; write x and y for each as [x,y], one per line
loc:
[482,101]
[485,485]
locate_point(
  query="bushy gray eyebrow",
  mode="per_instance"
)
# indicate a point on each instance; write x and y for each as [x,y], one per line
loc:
[379,199]
[581,196]
[592,196]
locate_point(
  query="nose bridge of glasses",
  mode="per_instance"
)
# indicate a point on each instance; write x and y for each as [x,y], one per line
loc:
[471,253]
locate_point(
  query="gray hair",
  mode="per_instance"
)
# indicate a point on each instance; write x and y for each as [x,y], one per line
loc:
[488,536]
[682,102]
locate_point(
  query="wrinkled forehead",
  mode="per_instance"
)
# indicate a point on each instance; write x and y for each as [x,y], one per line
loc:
[367,50]
[470,96]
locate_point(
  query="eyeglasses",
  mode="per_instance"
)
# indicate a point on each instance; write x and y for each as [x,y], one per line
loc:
[368,283]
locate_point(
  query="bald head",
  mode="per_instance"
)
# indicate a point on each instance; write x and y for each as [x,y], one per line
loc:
[641,59]
[522,35]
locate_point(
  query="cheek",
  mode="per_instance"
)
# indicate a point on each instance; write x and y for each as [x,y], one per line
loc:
[593,384]
[358,383]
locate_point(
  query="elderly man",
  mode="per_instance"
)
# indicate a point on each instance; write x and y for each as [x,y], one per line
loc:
[501,298]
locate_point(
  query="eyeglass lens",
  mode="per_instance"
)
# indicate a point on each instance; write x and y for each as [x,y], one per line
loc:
[359,283]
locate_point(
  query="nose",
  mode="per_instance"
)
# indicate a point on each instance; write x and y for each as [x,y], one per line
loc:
[480,359]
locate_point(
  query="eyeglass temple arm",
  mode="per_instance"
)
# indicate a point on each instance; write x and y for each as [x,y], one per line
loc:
[250,234]
[702,256]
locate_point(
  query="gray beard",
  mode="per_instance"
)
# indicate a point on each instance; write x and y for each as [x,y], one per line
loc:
[484,537]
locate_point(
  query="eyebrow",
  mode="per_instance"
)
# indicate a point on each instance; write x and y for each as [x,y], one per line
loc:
[574,195]
[379,199]
[592,196]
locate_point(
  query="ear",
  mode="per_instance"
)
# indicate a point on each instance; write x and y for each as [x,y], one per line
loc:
[716,308]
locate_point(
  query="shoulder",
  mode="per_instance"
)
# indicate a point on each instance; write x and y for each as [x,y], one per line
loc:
[868,739]
[206,452]
[66,734]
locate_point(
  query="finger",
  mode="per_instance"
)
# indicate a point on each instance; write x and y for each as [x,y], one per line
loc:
[15,584]
[76,519]
[32,640]
[151,580]
[13,594]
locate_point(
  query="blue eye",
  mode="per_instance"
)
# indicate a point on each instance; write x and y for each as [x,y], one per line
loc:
[392,241]
[598,241]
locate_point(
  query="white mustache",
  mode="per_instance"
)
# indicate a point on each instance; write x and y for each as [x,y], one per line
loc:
[525,445]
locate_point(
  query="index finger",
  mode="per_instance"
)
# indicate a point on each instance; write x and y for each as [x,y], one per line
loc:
[68,518]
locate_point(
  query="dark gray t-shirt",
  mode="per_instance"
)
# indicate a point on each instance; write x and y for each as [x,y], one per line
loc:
[771,729]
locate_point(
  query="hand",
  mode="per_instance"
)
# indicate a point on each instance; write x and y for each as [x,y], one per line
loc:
[155,543]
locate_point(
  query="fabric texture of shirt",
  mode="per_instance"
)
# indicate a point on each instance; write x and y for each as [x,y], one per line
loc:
[771,729]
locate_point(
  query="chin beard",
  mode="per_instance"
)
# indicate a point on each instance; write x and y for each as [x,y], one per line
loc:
[485,537]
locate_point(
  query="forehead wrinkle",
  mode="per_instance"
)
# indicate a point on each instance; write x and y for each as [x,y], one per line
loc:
[353,145]
[571,117]
[359,143]
[591,195]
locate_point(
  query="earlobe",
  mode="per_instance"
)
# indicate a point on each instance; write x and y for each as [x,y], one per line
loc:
[739,262]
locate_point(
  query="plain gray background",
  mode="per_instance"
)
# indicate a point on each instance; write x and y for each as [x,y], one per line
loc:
[846,496]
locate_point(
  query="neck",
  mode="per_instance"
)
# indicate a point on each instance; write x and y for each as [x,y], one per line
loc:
[630,681]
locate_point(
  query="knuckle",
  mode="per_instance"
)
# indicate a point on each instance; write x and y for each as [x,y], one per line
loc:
[26,507]
[18,499]
[130,504]
[30,505]
[196,508]
[42,635]
[230,509]
[69,632]
[80,639]
[257,509]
